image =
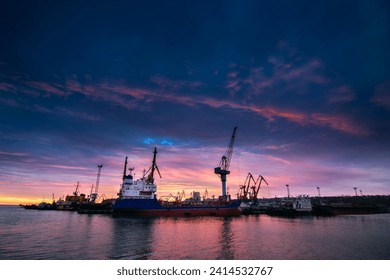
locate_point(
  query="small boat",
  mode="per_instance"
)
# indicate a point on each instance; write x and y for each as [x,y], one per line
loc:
[72,202]
[254,207]
[42,206]
[298,206]
[138,198]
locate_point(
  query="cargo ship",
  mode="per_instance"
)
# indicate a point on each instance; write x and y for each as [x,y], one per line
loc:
[138,197]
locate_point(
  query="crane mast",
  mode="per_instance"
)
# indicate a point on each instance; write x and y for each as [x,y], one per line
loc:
[150,178]
[223,169]
[77,189]
[244,189]
[95,194]
[256,187]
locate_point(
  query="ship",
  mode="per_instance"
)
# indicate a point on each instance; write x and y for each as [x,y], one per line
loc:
[138,197]
[299,206]
[72,202]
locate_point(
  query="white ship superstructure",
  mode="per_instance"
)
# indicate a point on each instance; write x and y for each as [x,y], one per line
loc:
[143,188]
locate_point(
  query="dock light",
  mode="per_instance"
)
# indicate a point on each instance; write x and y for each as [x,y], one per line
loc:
[319,194]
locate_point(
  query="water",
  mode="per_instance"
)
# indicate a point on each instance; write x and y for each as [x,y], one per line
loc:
[34,234]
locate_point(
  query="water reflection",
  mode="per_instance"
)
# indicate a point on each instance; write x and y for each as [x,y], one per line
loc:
[132,238]
[226,240]
[30,234]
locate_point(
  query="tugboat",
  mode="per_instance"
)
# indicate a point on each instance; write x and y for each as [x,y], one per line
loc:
[138,198]
[299,206]
[72,202]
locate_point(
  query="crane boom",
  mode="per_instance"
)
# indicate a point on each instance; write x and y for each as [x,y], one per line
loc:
[226,158]
[94,195]
[244,189]
[256,187]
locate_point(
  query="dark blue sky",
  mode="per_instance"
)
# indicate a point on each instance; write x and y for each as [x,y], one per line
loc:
[89,82]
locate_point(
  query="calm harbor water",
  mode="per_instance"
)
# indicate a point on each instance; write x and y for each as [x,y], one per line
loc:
[57,235]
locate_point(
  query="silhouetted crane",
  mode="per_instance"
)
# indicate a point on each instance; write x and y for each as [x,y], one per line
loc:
[76,192]
[94,195]
[256,187]
[223,168]
[244,189]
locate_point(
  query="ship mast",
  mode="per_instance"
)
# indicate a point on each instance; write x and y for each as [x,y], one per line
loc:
[150,178]
[124,170]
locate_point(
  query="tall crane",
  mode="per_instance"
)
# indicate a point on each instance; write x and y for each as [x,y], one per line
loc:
[76,192]
[223,168]
[95,194]
[256,187]
[244,189]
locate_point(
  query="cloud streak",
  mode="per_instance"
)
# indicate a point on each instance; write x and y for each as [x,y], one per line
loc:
[382,95]
[118,93]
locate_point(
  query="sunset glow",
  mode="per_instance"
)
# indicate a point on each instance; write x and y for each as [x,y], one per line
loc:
[301,82]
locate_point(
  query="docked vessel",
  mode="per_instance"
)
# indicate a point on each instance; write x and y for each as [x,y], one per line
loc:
[138,197]
[72,202]
[299,206]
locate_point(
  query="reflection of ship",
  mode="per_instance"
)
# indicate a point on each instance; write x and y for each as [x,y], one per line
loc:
[139,245]
[138,197]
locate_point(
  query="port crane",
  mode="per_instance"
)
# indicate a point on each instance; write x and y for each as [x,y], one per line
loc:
[223,168]
[76,192]
[94,195]
[256,187]
[244,189]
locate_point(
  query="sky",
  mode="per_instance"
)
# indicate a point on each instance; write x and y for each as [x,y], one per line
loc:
[84,83]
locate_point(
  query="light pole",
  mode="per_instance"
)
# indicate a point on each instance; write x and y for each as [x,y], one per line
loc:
[355,191]
[288,191]
[319,194]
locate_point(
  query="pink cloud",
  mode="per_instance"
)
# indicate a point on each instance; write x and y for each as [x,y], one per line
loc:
[382,95]
[9,102]
[7,87]
[340,123]
[14,154]
[295,75]
[175,85]
[118,93]
[336,122]
[80,115]
[49,88]
[341,94]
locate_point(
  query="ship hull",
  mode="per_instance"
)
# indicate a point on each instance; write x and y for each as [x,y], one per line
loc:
[285,212]
[153,208]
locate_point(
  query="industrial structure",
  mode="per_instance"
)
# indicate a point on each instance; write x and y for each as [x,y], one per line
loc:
[94,194]
[251,187]
[223,168]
